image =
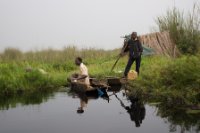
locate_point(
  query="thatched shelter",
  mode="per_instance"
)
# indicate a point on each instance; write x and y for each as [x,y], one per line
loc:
[160,42]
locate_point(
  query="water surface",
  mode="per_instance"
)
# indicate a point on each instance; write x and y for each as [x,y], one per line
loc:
[58,113]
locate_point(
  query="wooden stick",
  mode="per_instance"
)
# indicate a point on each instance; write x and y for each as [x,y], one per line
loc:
[124,47]
[115,63]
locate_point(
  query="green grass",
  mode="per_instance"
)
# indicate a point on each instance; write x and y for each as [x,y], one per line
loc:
[162,78]
[58,65]
[173,81]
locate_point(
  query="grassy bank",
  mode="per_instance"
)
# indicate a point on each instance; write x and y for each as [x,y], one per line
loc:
[48,69]
[162,78]
[171,81]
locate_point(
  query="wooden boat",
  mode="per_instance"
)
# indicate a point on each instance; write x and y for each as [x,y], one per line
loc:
[116,81]
[81,87]
[109,83]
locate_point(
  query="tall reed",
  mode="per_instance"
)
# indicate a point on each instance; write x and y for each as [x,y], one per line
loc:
[184,28]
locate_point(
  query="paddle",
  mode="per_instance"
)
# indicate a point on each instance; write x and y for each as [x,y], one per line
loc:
[115,63]
[124,47]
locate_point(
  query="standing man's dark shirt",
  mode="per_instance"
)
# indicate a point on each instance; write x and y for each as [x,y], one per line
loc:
[135,48]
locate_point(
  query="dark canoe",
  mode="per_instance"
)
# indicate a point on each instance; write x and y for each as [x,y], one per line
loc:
[81,87]
[115,81]
[109,83]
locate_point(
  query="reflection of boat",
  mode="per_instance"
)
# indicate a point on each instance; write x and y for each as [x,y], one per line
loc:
[94,93]
[114,88]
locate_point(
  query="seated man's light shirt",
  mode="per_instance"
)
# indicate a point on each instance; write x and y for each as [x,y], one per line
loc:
[84,71]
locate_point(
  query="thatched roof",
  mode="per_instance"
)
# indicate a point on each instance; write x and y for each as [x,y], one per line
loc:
[160,42]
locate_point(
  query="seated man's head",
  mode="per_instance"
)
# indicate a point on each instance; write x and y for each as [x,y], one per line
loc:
[78,61]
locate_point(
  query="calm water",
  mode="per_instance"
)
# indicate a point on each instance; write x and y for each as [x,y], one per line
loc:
[57,113]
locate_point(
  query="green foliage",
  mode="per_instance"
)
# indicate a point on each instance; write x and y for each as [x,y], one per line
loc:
[48,69]
[36,97]
[187,119]
[183,29]
[182,74]
[14,79]
[162,78]
[172,81]
[37,80]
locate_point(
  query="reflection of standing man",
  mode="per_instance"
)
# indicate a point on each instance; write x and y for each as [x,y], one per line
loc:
[136,110]
[135,51]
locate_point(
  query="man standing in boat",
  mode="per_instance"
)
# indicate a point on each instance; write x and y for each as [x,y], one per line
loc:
[83,76]
[135,49]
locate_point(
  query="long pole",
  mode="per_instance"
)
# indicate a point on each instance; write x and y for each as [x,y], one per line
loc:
[119,57]
[115,63]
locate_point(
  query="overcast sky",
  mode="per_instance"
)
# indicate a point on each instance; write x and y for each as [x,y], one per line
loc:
[39,24]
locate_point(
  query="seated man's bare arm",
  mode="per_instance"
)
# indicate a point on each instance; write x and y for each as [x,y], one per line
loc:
[80,77]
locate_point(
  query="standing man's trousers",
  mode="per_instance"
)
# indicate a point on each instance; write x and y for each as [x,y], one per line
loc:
[129,64]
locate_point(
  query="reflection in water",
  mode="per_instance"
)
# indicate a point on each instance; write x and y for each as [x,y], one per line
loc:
[179,117]
[50,114]
[86,96]
[83,103]
[136,110]
[7,102]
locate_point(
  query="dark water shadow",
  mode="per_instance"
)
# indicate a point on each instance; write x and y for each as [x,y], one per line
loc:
[179,117]
[135,109]
[24,99]
[176,117]
[88,95]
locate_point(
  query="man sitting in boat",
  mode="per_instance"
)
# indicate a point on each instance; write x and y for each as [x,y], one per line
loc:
[83,77]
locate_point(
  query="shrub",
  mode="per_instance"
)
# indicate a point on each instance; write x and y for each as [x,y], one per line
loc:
[184,29]
[172,81]
[12,54]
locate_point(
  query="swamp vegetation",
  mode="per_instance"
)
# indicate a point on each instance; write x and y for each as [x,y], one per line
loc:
[169,80]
